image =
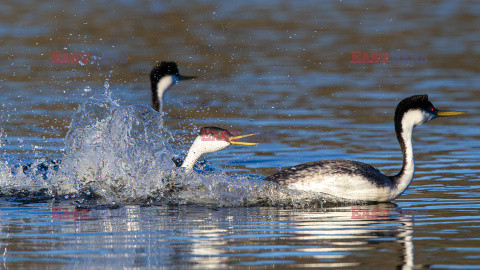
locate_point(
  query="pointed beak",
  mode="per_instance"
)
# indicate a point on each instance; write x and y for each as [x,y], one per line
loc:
[184,78]
[231,140]
[441,113]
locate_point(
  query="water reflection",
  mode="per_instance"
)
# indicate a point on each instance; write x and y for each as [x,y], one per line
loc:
[200,237]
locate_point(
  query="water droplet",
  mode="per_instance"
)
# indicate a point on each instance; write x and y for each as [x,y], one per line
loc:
[87,89]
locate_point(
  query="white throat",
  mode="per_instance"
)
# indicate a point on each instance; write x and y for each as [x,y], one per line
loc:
[163,85]
[201,146]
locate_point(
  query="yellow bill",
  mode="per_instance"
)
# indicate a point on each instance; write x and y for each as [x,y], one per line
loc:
[183,77]
[231,139]
[441,113]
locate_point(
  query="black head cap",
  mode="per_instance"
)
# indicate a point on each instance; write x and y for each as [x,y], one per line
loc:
[420,102]
[162,69]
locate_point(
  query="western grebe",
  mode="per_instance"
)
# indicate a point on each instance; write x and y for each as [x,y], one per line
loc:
[162,77]
[209,140]
[358,181]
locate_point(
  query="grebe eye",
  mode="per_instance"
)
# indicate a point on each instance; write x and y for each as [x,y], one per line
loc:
[431,109]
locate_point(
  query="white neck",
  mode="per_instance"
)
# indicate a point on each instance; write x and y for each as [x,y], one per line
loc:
[194,153]
[405,176]
[410,120]
[163,85]
[201,146]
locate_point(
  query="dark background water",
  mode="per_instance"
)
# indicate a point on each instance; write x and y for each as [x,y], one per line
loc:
[283,68]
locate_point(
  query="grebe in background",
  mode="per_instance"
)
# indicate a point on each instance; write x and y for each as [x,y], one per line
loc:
[358,181]
[162,77]
[209,140]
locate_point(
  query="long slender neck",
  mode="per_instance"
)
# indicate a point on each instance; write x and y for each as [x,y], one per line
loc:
[402,180]
[158,89]
[193,155]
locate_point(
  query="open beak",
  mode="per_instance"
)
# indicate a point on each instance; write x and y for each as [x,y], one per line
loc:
[441,113]
[231,140]
[184,78]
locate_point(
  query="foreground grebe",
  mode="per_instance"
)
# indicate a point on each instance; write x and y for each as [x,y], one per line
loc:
[209,140]
[358,181]
[162,77]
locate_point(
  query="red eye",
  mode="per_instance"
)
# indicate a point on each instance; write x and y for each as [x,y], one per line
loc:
[431,109]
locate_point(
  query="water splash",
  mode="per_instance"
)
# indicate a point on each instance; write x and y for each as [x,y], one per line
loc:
[226,191]
[118,152]
[26,181]
[122,155]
